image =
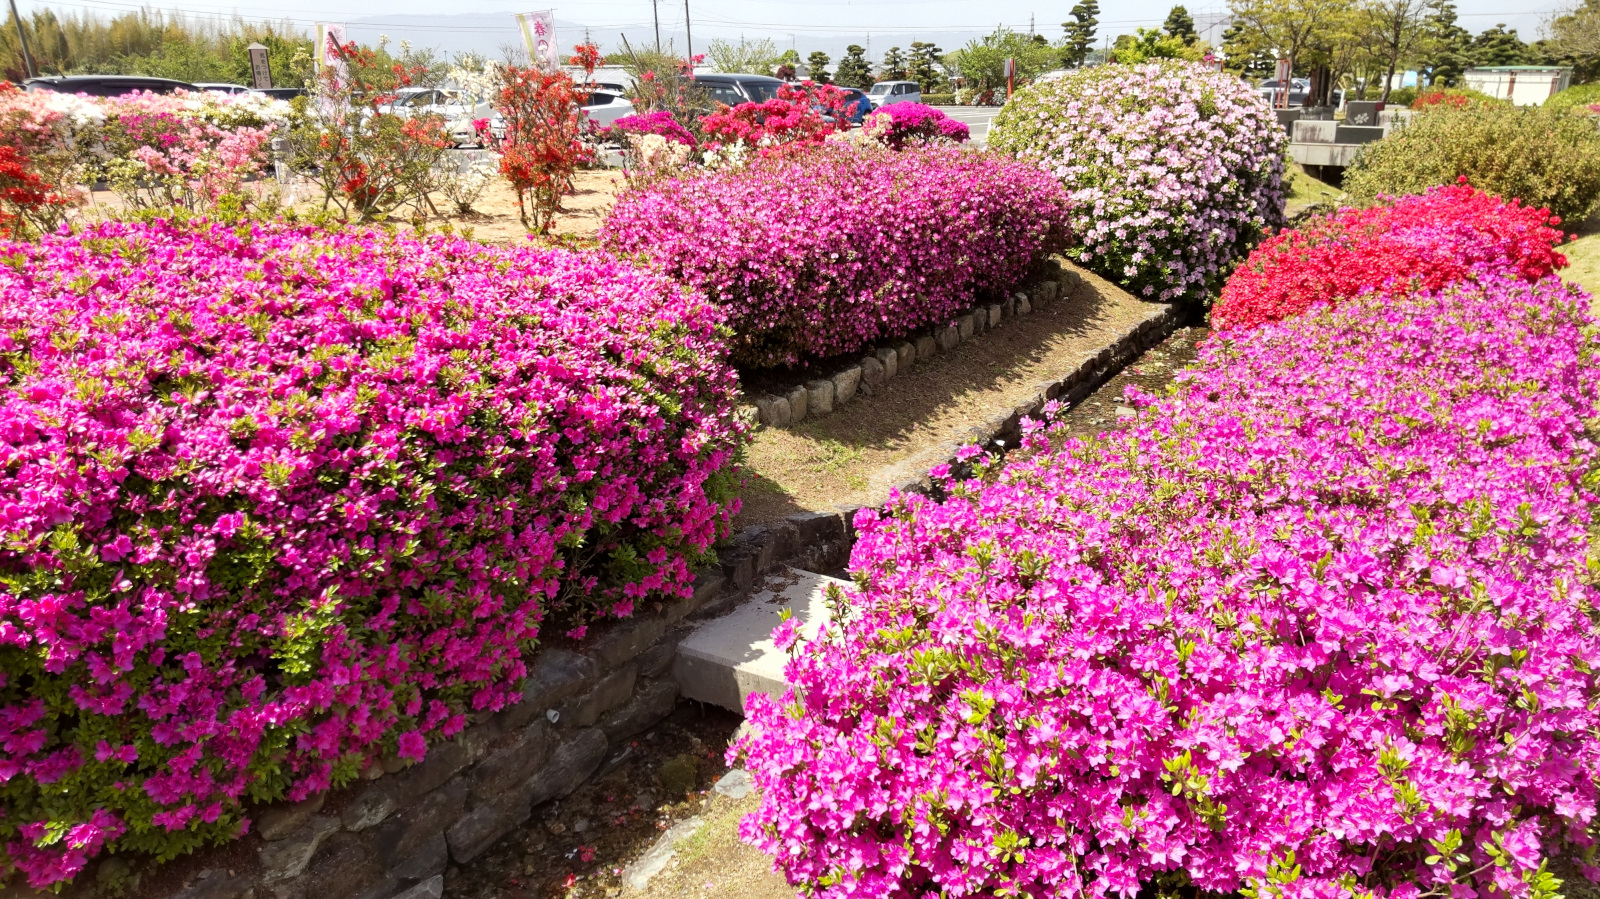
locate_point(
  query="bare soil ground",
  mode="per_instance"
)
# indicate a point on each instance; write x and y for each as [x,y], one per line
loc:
[855,455]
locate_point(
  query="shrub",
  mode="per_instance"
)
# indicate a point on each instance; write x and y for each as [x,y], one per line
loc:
[25,198]
[543,141]
[1319,623]
[1451,97]
[901,124]
[794,116]
[278,503]
[827,251]
[1543,157]
[939,99]
[1578,98]
[1174,170]
[660,122]
[1424,242]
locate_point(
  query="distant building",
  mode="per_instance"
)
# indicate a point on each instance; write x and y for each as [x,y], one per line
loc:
[1522,85]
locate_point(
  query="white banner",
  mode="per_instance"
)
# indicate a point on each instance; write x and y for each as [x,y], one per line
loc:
[330,43]
[539,34]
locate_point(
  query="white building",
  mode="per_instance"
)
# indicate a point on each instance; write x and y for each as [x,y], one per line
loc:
[1522,85]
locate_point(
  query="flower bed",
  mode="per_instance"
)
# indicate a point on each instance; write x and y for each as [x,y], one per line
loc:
[1173,170]
[1425,242]
[827,251]
[278,504]
[901,124]
[1317,624]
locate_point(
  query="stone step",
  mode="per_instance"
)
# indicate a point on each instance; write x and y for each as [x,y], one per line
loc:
[726,659]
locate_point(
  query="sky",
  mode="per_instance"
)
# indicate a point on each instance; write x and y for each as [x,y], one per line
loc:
[807,25]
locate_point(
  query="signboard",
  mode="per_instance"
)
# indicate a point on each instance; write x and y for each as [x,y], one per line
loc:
[1011,68]
[1282,75]
[260,69]
[539,35]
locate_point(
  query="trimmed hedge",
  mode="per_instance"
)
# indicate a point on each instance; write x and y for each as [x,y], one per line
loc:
[276,504]
[826,251]
[1318,623]
[1578,97]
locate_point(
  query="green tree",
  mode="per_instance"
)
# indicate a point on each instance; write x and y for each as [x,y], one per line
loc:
[1575,38]
[1180,25]
[1078,40]
[894,65]
[1148,44]
[1446,47]
[1244,57]
[1290,29]
[922,66]
[1395,31]
[817,62]
[855,70]
[1499,46]
[745,57]
[982,61]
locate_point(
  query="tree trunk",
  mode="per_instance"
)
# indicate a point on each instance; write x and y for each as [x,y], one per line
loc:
[1388,80]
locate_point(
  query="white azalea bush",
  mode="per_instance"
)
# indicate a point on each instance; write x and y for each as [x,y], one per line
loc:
[1174,171]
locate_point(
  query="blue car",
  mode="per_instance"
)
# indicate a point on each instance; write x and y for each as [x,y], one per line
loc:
[858,103]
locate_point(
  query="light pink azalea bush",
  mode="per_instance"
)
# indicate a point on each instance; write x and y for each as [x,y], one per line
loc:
[1174,170]
[276,503]
[1319,623]
[826,250]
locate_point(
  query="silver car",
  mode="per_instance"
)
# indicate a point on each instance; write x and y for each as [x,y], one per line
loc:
[603,108]
[888,93]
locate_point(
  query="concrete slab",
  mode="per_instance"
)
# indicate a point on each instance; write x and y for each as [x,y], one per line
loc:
[727,659]
[1338,155]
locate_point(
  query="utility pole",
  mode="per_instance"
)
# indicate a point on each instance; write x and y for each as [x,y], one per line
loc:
[655,16]
[1030,24]
[27,58]
[688,36]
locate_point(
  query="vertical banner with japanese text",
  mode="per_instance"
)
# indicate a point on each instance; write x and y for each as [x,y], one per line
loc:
[539,34]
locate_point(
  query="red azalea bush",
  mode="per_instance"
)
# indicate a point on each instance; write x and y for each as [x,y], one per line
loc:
[24,196]
[827,251]
[543,142]
[1426,241]
[1319,624]
[798,114]
[277,504]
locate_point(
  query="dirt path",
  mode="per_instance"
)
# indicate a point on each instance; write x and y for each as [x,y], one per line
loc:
[915,420]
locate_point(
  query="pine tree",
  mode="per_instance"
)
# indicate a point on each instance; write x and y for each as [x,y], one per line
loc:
[922,66]
[854,70]
[1080,32]
[1499,47]
[894,65]
[1447,50]
[1180,25]
[817,62]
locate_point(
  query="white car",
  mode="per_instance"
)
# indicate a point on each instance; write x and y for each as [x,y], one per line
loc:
[603,108]
[888,93]
[218,87]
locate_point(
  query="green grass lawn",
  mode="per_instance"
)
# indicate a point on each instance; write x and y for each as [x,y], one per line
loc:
[1305,190]
[1583,259]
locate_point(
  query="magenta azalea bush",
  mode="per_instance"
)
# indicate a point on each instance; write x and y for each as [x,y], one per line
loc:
[825,251]
[1319,623]
[900,124]
[1174,170]
[277,503]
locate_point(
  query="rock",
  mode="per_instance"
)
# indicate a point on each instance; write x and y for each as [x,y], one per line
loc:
[966,323]
[626,639]
[1008,307]
[213,883]
[708,585]
[658,658]
[638,875]
[928,347]
[276,822]
[980,320]
[432,888]
[288,857]
[774,411]
[571,765]
[872,374]
[648,705]
[996,315]
[406,833]
[735,784]
[740,569]
[889,359]
[1044,293]
[1127,412]
[820,401]
[511,766]
[429,859]
[949,338]
[816,527]
[471,836]
[1024,305]
[678,775]
[845,383]
[905,356]
[343,869]
[370,807]
[612,691]
[799,404]
[557,674]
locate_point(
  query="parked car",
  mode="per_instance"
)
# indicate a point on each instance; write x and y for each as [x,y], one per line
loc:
[282,93]
[887,93]
[219,87]
[858,104]
[603,108]
[733,89]
[106,85]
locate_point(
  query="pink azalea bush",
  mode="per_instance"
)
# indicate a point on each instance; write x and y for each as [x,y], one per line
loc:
[1319,623]
[900,124]
[1174,170]
[277,504]
[826,251]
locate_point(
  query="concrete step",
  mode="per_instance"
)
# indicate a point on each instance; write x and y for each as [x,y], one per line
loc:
[726,659]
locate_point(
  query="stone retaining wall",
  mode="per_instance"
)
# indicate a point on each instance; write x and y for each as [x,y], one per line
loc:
[392,835]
